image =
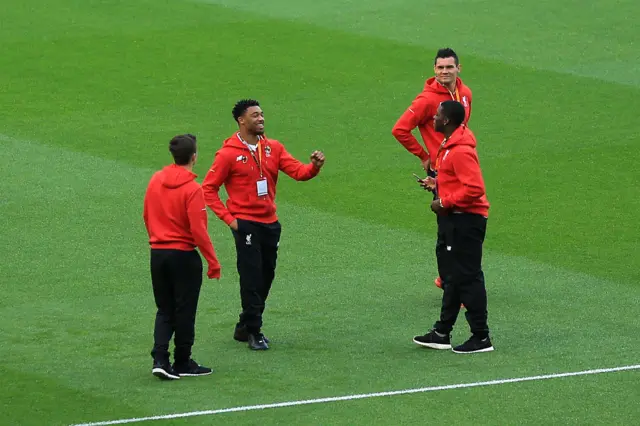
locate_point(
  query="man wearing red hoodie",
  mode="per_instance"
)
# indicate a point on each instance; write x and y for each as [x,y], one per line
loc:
[248,165]
[446,85]
[462,208]
[176,220]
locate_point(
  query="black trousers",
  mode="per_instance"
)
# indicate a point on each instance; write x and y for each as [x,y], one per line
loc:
[459,254]
[257,253]
[176,276]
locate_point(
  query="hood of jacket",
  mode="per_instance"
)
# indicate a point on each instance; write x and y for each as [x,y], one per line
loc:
[461,136]
[175,176]
[432,85]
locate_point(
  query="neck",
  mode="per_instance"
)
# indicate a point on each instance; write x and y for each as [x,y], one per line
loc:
[451,86]
[249,138]
[187,166]
[448,132]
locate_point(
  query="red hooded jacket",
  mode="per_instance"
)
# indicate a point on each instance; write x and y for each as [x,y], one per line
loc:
[236,169]
[175,214]
[420,114]
[459,181]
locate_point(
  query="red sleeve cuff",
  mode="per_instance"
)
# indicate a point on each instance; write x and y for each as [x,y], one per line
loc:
[228,218]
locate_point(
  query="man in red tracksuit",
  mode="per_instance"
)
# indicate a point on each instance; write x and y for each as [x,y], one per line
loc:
[247,165]
[176,220]
[446,85]
[462,209]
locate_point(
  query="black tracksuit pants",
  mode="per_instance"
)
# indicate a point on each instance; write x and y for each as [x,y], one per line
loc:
[257,252]
[459,254]
[176,276]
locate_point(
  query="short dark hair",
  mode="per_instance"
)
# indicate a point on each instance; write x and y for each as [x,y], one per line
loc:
[182,147]
[454,111]
[446,52]
[242,106]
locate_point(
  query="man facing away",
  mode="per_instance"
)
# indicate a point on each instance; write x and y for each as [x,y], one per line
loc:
[176,220]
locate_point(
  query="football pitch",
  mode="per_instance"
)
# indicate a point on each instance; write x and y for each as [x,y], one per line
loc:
[92,92]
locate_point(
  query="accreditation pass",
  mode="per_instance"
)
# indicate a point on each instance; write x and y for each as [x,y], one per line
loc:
[261,185]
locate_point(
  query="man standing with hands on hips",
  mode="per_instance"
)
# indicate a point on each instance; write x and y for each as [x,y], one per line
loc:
[445,85]
[462,208]
[248,165]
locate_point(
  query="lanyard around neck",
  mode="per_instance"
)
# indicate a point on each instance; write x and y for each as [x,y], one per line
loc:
[455,95]
[253,155]
[439,151]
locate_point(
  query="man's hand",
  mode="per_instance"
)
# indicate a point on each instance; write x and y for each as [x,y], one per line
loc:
[234,225]
[436,206]
[317,158]
[428,183]
[214,272]
[426,165]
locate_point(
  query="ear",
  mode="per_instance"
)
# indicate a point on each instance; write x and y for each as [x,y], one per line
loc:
[459,67]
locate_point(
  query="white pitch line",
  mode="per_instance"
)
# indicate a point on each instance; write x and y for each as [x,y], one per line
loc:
[360,396]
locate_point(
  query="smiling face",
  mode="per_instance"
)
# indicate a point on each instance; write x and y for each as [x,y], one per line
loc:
[253,120]
[446,70]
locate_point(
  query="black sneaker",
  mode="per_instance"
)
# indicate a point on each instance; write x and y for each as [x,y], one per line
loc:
[433,341]
[257,342]
[242,335]
[474,345]
[164,371]
[191,369]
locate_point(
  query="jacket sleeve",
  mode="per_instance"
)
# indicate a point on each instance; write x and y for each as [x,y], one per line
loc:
[414,115]
[145,208]
[467,170]
[197,213]
[296,169]
[145,211]
[215,177]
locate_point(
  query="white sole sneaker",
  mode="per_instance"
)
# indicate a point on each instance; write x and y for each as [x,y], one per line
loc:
[194,375]
[489,349]
[439,346]
[163,374]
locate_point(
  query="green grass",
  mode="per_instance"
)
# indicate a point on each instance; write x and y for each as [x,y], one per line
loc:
[96,89]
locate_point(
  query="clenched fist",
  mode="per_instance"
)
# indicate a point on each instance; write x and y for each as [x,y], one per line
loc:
[317,158]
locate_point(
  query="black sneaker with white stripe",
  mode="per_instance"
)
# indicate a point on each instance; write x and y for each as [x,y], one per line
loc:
[241,334]
[191,368]
[474,345]
[257,342]
[164,371]
[433,340]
